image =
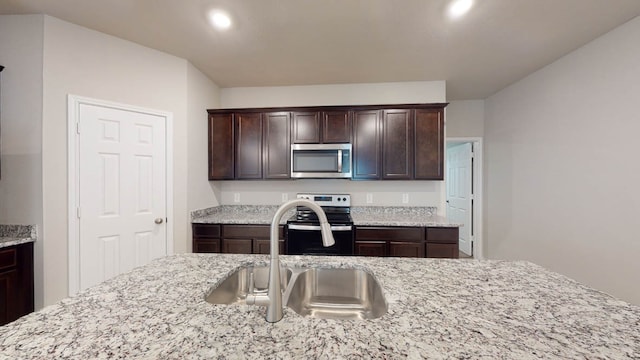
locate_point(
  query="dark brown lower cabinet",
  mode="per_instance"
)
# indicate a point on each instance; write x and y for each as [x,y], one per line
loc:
[442,242]
[206,238]
[16,282]
[390,241]
[407,241]
[371,248]
[234,239]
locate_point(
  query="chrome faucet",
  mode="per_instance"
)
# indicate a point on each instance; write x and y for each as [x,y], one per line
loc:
[273,299]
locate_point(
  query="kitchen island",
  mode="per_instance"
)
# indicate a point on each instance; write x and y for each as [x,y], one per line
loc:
[436,309]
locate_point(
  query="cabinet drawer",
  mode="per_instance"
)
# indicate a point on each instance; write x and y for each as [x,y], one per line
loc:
[206,230]
[249,231]
[442,235]
[390,233]
[8,258]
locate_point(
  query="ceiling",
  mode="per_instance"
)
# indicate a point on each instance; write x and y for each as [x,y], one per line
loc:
[305,42]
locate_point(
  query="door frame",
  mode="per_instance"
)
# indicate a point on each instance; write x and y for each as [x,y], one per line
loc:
[73,174]
[477,183]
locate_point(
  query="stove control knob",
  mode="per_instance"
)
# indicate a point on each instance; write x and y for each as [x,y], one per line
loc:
[344,199]
[339,199]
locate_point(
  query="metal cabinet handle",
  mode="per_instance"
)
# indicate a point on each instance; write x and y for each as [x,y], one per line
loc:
[158,221]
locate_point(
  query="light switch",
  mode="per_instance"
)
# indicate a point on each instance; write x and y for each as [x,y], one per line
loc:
[236,197]
[405,198]
[369,198]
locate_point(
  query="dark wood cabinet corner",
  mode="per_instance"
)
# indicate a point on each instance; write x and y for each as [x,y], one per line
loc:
[16,282]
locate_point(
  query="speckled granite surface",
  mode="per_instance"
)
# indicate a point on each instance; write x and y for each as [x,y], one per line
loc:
[365,215]
[462,309]
[399,216]
[17,234]
[238,214]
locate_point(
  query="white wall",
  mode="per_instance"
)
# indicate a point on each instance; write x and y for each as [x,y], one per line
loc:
[562,168]
[338,94]
[465,118]
[421,193]
[21,128]
[87,63]
[202,94]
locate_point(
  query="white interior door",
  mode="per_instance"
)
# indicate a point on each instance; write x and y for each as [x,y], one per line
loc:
[122,191]
[459,192]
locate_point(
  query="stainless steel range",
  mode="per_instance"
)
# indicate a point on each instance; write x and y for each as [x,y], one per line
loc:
[303,229]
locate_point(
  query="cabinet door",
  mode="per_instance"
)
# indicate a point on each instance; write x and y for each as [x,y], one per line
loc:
[206,245]
[236,246]
[366,145]
[8,281]
[397,144]
[221,154]
[336,127]
[248,146]
[371,248]
[263,246]
[277,148]
[406,249]
[449,251]
[429,144]
[306,128]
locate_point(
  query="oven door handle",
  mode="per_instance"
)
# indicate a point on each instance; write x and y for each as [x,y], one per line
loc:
[317,227]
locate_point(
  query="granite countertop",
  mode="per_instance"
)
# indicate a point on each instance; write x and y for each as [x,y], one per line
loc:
[438,308]
[362,216]
[238,214]
[11,235]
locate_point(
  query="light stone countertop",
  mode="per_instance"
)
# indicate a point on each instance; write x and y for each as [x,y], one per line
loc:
[438,308]
[239,214]
[362,216]
[11,235]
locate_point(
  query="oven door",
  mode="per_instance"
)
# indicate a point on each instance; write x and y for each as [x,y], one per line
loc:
[306,239]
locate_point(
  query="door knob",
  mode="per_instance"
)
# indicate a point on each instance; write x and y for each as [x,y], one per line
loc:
[158,220]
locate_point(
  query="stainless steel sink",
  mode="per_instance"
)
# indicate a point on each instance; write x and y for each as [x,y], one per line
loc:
[336,294]
[234,289]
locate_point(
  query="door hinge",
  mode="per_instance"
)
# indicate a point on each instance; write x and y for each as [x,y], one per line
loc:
[78,127]
[78,212]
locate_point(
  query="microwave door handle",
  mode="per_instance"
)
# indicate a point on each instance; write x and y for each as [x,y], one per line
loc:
[340,161]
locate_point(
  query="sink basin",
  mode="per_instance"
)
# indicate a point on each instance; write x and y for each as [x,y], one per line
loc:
[337,294]
[234,289]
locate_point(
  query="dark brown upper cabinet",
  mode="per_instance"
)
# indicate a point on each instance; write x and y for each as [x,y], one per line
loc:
[277,147]
[221,147]
[249,146]
[336,127]
[248,128]
[366,145]
[397,142]
[389,142]
[429,144]
[321,127]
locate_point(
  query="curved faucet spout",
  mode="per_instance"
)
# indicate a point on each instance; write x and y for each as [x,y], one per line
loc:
[274,293]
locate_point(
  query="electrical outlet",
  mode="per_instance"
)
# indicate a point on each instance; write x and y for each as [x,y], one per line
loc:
[236,197]
[285,197]
[405,198]
[369,198]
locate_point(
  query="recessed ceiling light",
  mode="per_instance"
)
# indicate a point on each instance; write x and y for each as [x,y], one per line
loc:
[459,8]
[219,19]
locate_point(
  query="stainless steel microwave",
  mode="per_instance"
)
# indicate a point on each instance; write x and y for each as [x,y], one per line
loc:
[321,161]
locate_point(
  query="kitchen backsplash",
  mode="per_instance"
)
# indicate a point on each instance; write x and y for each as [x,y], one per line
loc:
[363,193]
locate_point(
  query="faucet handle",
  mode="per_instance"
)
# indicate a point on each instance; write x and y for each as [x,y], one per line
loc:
[252,284]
